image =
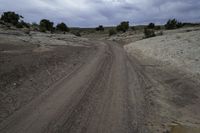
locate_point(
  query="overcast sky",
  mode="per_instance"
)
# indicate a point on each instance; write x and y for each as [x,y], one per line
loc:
[89,13]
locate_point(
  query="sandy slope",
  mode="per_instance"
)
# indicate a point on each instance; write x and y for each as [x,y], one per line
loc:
[172,62]
[174,48]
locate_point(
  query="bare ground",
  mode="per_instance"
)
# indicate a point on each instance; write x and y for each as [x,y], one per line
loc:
[27,70]
[109,92]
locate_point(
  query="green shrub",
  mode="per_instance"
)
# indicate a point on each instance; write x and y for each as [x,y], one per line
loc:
[24,24]
[46,25]
[11,17]
[173,24]
[149,33]
[179,25]
[35,26]
[124,26]
[19,25]
[100,28]
[62,27]
[112,32]
[157,27]
[151,26]
[43,29]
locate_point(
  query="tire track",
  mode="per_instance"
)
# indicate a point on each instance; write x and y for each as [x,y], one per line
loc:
[78,119]
[110,94]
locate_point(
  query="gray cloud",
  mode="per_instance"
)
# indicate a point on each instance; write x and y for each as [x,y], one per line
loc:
[89,13]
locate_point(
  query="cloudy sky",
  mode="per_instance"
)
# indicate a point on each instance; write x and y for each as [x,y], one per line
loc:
[89,13]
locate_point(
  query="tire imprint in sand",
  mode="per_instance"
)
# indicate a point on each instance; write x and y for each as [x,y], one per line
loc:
[78,118]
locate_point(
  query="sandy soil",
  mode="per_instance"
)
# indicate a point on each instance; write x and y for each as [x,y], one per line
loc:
[27,69]
[179,48]
[94,98]
[127,37]
[172,63]
[78,85]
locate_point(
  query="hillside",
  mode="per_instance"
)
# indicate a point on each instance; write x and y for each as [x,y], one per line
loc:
[178,48]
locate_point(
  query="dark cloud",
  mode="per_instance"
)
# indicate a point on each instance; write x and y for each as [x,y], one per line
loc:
[88,13]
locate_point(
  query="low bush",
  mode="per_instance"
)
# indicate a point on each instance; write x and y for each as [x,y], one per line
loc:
[14,19]
[62,27]
[179,24]
[100,28]
[124,26]
[151,26]
[157,27]
[24,24]
[11,17]
[149,33]
[35,26]
[19,25]
[173,24]
[112,32]
[46,25]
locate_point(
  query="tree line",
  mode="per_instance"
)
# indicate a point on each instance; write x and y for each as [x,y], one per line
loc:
[46,25]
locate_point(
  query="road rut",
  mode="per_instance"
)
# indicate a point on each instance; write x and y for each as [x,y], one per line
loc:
[106,95]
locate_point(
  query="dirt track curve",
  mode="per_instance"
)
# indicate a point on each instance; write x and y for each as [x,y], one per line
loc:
[106,95]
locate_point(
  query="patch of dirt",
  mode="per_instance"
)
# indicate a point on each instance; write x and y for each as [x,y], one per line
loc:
[26,70]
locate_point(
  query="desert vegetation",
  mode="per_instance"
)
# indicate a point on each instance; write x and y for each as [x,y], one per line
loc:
[62,27]
[123,26]
[11,17]
[100,28]
[149,30]
[112,32]
[151,26]
[173,24]
[149,33]
[46,25]
[14,19]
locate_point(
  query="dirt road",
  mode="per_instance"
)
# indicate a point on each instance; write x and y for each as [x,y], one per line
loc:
[109,94]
